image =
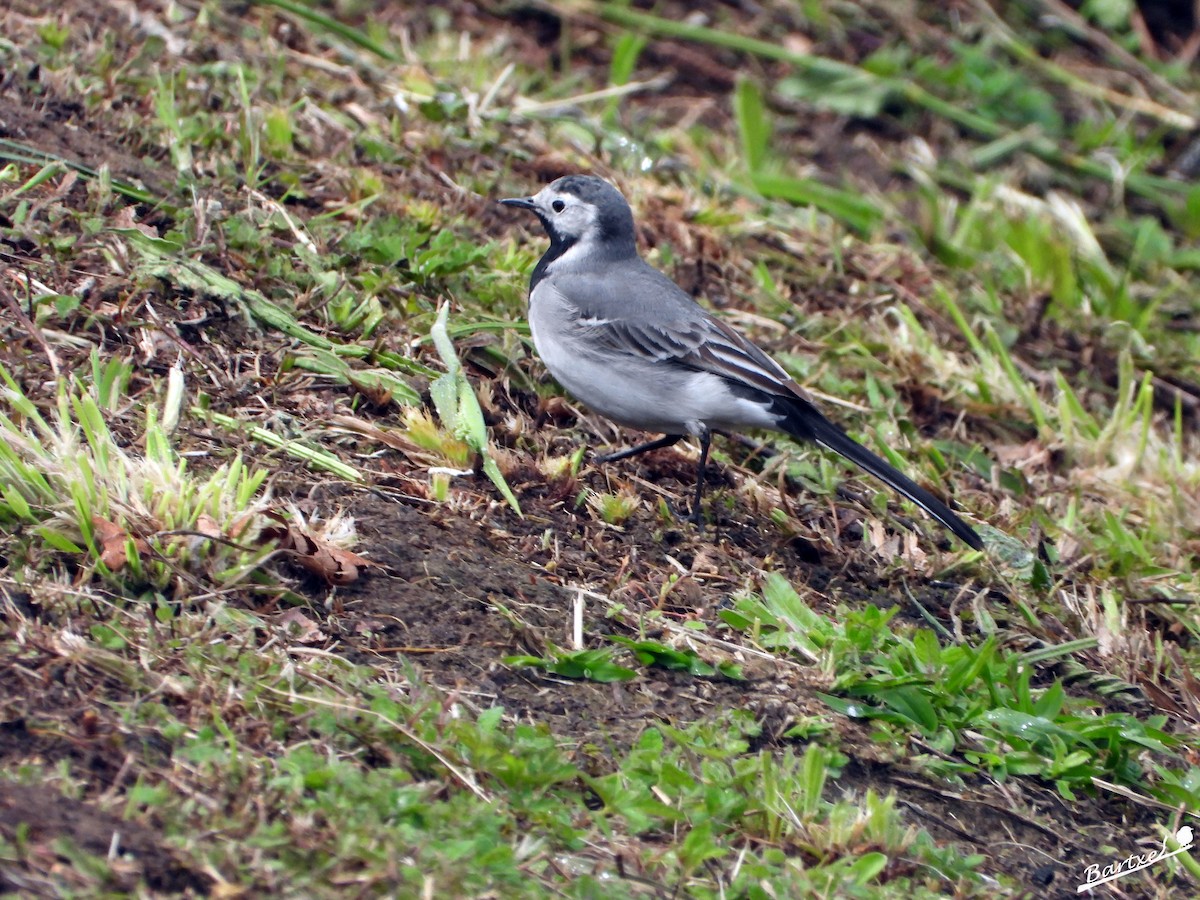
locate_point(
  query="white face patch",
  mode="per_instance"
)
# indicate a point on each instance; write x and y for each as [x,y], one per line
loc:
[567,216]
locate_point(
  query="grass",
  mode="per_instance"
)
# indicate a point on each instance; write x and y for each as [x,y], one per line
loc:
[308,576]
[138,521]
[975,703]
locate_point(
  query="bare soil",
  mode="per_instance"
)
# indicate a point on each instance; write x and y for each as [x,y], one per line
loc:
[449,572]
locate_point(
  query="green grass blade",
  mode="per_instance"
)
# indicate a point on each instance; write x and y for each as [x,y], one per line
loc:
[333,26]
[458,407]
[317,459]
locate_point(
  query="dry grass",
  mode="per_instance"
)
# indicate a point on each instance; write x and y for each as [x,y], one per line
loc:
[264,605]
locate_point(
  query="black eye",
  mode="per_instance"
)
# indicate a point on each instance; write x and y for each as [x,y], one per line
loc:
[558,206]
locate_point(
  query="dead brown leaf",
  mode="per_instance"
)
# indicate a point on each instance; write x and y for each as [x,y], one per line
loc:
[126,217]
[206,524]
[335,565]
[112,541]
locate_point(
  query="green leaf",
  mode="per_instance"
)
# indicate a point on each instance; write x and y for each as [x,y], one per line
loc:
[852,92]
[867,867]
[470,417]
[1051,701]
[968,667]
[849,207]
[492,471]
[910,703]
[58,540]
[926,649]
[444,394]
[592,665]
[1026,728]
[144,241]
[312,456]
[108,637]
[625,55]
[699,846]
[341,30]
[1110,15]
[1039,577]
[753,125]
[331,364]
[854,709]
[653,653]
[16,503]
[459,410]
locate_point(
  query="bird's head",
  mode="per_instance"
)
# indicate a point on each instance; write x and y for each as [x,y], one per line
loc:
[585,213]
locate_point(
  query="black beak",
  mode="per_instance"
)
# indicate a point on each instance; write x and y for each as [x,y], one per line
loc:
[520,203]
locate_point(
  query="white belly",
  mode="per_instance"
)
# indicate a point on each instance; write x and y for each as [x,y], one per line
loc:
[650,396]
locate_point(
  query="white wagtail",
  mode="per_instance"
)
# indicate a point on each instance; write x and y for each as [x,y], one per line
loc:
[629,343]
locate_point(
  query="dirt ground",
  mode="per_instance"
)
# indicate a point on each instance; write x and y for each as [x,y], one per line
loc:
[447,613]
[443,613]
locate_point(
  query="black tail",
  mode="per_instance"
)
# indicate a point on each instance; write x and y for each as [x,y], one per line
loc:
[808,423]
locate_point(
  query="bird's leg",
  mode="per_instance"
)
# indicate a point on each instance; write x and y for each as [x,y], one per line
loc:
[667,440]
[705,440]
